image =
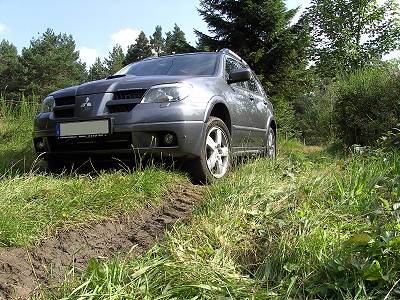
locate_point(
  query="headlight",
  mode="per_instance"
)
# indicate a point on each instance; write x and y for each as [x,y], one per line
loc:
[48,104]
[167,93]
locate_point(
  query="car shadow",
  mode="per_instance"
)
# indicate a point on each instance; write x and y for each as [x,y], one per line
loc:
[94,167]
[25,161]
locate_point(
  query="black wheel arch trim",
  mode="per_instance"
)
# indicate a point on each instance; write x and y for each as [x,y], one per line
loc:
[271,120]
[210,106]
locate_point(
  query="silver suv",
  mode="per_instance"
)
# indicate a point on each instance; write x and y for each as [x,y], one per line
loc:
[202,107]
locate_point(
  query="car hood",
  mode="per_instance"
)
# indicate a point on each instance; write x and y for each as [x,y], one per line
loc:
[118,84]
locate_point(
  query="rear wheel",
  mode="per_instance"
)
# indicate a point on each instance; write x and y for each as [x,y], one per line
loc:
[214,160]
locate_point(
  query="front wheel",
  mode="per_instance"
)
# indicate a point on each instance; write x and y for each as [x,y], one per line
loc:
[270,150]
[55,165]
[214,160]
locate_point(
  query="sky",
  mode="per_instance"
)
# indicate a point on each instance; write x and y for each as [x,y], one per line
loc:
[97,25]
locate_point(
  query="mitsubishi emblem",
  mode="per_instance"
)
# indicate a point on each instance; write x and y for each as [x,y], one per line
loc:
[87,104]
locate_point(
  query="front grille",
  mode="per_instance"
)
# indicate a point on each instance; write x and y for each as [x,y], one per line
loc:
[64,113]
[116,141]
[121,108]
[65,101]
[64,107]
[129,94]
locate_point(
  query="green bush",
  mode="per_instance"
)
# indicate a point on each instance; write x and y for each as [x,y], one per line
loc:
[390,141]
[368,105]
[315,114]
[285,116]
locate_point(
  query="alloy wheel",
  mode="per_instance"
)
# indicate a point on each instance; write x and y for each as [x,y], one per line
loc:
[217,152]
[271,144]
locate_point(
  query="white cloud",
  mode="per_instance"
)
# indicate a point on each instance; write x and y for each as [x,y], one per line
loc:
[88,55]
[125,37]
[3,29]
[391,55]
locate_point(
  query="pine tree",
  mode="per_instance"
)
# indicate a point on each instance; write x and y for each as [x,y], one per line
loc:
[10,68]
[98,70]
[50,63]
[115,60]
[138,51]
[157,41]
[260,32]
[176,42]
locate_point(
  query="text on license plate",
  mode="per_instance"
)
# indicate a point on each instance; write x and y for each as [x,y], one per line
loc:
[85,128]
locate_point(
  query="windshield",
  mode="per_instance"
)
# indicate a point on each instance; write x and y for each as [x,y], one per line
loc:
[191,64]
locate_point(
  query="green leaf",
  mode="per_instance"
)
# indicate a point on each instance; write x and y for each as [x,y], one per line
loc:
[374,272]
[359,240]
[290,267]
[395,242]
[206,287]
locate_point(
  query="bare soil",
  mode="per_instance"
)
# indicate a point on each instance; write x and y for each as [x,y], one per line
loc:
[24,271]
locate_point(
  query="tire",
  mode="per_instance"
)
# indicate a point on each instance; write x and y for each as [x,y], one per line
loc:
[215,156]
[270,148]
[57,165]
[54,165]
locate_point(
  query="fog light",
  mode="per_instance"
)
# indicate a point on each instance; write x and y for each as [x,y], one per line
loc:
[40,146]
[169,139]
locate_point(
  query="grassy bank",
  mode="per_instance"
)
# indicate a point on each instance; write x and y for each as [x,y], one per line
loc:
[34,203]
[309,226]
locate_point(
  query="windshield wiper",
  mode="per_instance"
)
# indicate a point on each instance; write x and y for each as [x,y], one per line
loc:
[116,76]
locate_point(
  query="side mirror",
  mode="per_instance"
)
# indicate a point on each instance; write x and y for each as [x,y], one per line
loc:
[239,75]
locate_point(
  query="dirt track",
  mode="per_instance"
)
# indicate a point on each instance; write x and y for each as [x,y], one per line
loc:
[22,271]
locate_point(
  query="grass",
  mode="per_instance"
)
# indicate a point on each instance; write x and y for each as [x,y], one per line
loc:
[313,224]
[34,204]
[16,126]
[308,226]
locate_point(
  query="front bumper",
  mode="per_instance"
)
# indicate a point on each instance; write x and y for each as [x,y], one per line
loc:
[126,140]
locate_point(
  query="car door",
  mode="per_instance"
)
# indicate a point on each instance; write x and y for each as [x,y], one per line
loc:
[239,106]
[259,112]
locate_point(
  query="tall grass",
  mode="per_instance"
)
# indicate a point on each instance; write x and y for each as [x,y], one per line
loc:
[24,108]
[16,126]
[308,226]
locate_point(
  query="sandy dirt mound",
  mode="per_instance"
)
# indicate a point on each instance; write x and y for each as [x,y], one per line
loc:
[22,270]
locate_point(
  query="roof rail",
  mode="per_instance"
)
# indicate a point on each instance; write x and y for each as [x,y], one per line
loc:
[230,52]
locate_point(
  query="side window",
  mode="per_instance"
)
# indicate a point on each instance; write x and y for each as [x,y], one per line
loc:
[255,85]
[231,65]
[252,83]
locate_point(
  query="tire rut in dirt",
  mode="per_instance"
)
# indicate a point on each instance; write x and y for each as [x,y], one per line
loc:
[23,270]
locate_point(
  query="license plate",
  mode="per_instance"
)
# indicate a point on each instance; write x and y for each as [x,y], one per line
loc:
[83,129]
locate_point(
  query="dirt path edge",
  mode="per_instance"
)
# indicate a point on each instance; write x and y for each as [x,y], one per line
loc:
[23,270]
